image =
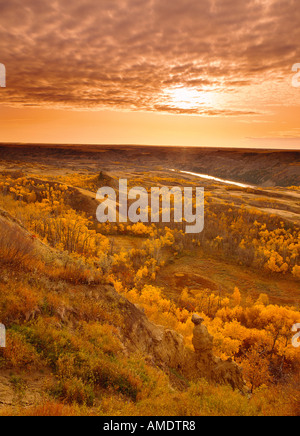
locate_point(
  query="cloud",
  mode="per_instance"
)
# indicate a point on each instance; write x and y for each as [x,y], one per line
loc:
[122,54]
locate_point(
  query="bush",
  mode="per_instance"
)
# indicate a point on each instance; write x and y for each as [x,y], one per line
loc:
[50,409]
[74,391]
[110,375]
[16,248]
[17,303]
[18,354]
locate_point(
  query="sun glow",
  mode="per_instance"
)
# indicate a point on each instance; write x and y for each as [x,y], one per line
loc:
[188,98]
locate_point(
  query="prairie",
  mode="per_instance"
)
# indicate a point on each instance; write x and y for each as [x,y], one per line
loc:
[70,287]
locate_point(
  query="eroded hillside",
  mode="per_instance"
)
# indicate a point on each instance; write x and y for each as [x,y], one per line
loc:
[82,339]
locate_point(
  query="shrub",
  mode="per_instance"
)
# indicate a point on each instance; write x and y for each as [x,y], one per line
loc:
[49,408]
[74,391]
[16,248]
[17,303]
[110,375]
[18,354]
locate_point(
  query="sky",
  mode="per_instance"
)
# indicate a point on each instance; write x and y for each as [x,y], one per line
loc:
[159,72]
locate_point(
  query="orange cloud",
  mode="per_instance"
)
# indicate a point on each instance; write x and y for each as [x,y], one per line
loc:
[122,54]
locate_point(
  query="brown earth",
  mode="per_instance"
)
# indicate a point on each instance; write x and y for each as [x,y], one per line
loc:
[255,167]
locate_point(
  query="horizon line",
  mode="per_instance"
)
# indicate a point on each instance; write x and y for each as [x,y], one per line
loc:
[15,143]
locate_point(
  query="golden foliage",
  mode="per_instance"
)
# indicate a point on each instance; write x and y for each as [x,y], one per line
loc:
[54,322]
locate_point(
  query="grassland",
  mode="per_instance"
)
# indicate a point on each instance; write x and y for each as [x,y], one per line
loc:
[67,282]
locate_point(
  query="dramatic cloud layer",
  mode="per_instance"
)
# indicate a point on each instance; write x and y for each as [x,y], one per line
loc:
[236,56]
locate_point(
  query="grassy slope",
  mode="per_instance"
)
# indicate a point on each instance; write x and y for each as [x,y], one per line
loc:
[206,272]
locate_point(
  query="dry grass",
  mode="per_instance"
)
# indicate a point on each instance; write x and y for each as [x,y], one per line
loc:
[16,247]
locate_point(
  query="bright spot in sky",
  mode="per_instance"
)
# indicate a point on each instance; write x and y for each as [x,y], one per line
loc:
[188,98]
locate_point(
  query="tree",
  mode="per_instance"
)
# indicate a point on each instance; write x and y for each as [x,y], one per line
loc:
[236,297]
[296,272]
[256,368]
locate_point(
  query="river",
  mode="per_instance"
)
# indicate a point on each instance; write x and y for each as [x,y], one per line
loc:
[216,179]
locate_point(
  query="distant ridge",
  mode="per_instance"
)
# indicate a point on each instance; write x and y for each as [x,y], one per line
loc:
[260,167]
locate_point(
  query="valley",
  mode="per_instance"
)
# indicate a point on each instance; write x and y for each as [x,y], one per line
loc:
[99,315]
